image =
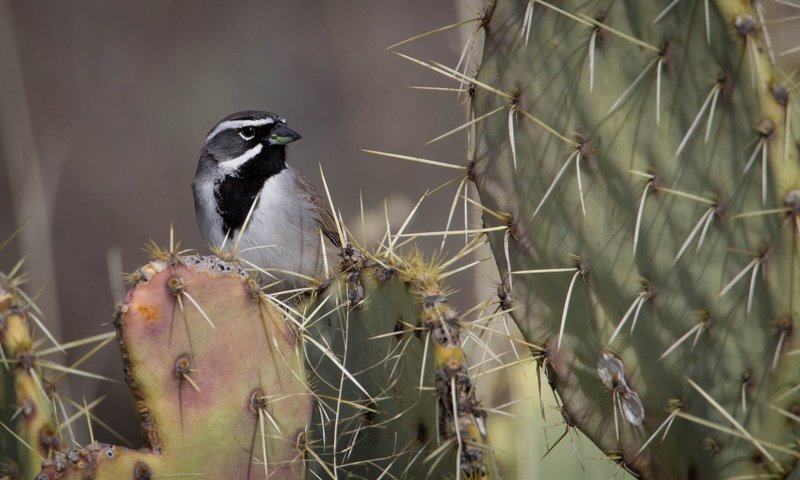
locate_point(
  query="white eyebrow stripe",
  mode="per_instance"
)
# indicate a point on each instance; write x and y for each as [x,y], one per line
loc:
[231,166]
[234,124]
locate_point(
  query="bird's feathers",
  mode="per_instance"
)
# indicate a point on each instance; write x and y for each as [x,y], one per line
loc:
[240,168]
[327,223]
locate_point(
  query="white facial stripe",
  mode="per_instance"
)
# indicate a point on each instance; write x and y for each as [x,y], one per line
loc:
[234,124]
[230,166]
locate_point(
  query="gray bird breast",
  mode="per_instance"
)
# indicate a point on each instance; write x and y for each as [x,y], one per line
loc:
[282,234]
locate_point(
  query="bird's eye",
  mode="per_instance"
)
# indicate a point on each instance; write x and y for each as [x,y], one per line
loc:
[247,133]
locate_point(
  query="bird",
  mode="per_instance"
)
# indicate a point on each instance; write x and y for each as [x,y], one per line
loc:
[243,166]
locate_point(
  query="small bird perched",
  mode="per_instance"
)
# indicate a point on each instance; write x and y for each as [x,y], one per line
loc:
[244,157]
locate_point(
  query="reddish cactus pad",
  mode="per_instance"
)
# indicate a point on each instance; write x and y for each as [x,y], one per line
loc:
[209,390]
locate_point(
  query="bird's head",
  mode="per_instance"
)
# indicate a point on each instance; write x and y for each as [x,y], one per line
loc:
[249,135]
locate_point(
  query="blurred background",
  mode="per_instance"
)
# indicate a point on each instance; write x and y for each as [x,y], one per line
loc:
[104,107]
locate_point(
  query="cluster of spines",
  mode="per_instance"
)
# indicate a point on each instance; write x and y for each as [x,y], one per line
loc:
[462,418]
[34,418]
[26,406]
[434,335]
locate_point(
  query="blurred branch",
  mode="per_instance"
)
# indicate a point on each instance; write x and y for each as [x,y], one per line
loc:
[26,187]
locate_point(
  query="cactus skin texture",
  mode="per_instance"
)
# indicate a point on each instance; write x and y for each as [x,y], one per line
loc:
[24,406]
[389,324]
[679,237]
[207,396]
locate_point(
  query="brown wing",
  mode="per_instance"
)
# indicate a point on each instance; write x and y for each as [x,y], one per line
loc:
[324,215]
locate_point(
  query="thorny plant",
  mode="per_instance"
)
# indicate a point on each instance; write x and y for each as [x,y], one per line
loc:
[626,388]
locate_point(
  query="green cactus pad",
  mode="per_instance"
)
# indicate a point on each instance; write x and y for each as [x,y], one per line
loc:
[644,155]
[394,397]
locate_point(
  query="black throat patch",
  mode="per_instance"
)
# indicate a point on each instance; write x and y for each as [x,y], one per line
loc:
[236,192]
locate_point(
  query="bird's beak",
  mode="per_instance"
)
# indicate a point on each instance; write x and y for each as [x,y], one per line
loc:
[282,135]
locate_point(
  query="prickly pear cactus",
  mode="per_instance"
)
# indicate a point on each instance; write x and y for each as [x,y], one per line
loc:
[643,157]
[393,390]
[217,378]
[362,377]
[27,432]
